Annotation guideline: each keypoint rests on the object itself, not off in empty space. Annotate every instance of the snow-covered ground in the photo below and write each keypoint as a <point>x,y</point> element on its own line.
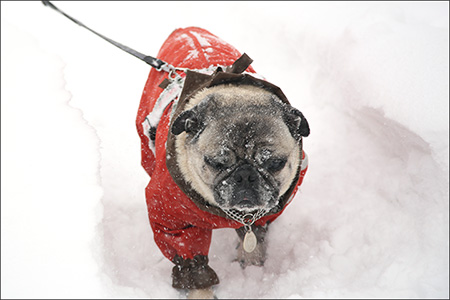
<point>371,218</point>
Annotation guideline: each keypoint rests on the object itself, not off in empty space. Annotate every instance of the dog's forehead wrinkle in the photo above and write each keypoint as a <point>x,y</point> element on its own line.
<point>241,138</point>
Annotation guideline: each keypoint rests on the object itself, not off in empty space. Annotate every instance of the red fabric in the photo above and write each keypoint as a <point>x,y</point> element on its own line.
<point>179,226</point>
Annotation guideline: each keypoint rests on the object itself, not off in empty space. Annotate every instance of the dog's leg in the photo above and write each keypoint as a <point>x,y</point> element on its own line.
<point>195,275</point>
<point>258,256</point>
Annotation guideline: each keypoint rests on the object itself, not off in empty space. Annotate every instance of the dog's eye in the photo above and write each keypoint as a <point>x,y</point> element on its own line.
<point>276,164</point>
<point>214,164</point>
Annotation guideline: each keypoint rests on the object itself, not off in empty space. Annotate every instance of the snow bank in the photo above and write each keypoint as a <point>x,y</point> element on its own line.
<point>371,218</point>
<point>50,184</point>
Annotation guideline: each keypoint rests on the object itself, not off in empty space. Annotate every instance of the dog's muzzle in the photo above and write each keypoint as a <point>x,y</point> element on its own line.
<point>246,180</point>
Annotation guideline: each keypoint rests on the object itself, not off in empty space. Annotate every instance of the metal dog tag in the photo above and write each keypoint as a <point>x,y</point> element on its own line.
<point>250,241</point>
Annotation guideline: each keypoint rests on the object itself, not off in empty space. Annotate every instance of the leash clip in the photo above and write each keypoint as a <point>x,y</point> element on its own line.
<point>166,67</point>
<point>173,74</point>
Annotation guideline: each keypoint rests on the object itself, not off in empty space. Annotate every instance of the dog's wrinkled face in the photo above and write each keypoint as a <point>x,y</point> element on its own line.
<point>239,147</point>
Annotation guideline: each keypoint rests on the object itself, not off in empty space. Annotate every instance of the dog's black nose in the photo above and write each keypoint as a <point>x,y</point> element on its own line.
<point>245,175</point>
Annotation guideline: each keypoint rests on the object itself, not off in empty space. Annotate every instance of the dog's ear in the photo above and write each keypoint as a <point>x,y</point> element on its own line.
<point>296,122</point>
<point>186,121</point>
<point>191,120</point>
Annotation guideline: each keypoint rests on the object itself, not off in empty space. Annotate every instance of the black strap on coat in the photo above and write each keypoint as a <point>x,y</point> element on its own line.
<point>154,62</point>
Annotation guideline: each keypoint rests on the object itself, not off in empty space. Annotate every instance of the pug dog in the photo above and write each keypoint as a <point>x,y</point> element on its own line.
<point>223,147</point>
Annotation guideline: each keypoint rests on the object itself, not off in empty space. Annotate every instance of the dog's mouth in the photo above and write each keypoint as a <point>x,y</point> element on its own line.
<point>245,198</point>
<point>245,189</point>
<point>245,203</point>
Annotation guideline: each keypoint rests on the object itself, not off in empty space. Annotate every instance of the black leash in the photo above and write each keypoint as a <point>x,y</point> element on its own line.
<point>154,62</point>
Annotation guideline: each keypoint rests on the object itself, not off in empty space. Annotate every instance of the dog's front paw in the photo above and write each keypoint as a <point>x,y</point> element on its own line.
<point>201,294</point>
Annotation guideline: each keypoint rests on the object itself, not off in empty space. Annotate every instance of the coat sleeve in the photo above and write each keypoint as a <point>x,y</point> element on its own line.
<point>183,241</point>
<point>188,249</point>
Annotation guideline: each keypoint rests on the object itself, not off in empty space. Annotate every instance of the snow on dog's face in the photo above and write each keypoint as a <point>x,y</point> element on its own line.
<point>239,146</point>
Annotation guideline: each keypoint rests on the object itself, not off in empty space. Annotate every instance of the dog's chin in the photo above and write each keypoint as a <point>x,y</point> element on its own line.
<point>246,206</point>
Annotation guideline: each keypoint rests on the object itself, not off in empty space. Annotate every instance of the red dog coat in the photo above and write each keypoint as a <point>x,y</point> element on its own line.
<point>180,227</point>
